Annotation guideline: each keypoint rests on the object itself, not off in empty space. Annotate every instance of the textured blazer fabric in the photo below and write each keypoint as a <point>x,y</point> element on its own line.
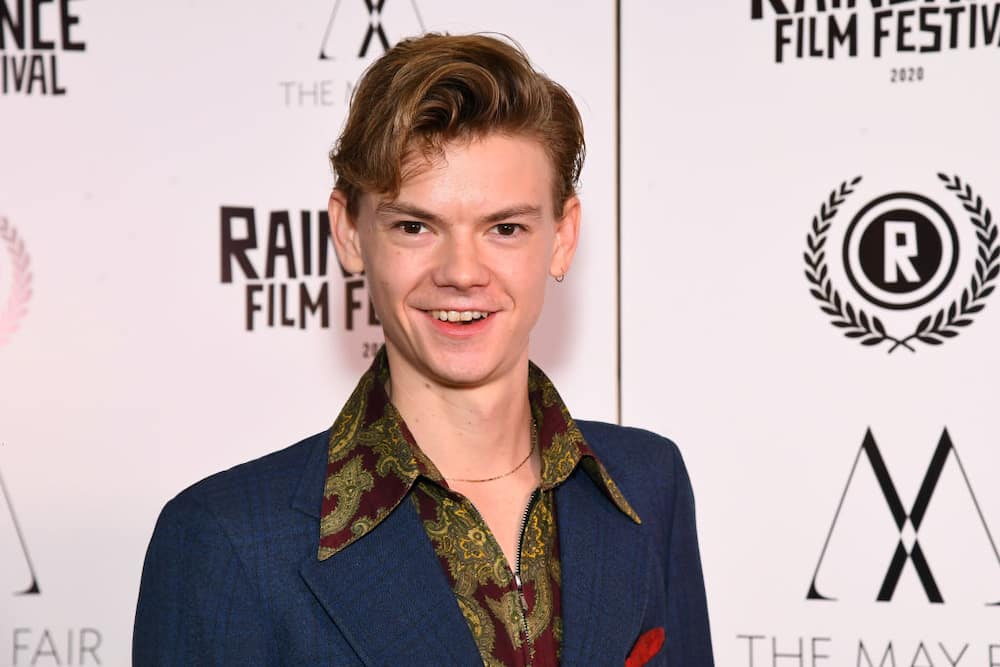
<point>232,576</point>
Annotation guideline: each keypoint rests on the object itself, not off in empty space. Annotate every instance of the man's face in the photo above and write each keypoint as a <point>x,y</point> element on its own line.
<point>457,263</point>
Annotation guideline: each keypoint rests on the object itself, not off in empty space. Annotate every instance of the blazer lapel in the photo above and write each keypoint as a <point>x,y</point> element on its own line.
<point>386,592</point>
<point>388,595</point>
<point>604,558</point>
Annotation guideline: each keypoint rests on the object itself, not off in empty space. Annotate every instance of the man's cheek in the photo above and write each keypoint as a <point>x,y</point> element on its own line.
<point>378,292</point>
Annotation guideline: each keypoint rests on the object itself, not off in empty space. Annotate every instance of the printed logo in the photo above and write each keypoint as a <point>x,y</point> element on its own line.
<point>900,252</point>
<point>15,281</point>
<point>287,272</point>
<point>25,643</point>
<point>33,37</point>
<point>881,250</point>
<point>32,588</point>
<point>357,32</point>
<point>908,522</point>
<point>366,28</point>
<point>839,28</point>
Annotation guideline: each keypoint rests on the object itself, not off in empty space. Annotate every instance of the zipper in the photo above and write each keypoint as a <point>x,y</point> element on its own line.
<point>517,571</point>
<point>517,574</point>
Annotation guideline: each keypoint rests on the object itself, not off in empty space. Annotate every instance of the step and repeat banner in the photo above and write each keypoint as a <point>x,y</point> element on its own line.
<point>808,259</point>
<point>170,303</point>
<point>809,221</point>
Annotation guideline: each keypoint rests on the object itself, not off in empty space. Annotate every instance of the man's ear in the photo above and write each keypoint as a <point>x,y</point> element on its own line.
<point>345,234</point>
<point>567,236</point>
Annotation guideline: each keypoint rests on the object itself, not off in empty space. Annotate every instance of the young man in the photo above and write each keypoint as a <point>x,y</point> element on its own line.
<point>455,513</point>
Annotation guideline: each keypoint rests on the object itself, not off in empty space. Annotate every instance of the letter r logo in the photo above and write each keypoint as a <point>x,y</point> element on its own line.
<point>900,248</point>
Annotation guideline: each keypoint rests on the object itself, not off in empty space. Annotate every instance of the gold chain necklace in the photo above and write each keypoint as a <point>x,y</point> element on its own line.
<point>534,446</point>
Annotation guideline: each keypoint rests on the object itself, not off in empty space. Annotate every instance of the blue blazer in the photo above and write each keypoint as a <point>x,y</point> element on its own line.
<point>232,576</point>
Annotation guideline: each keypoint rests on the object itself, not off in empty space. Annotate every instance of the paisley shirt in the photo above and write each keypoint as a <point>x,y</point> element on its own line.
<point>374,465</point>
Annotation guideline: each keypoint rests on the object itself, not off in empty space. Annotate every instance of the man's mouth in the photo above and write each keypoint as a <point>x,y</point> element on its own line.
<point>461,316</point>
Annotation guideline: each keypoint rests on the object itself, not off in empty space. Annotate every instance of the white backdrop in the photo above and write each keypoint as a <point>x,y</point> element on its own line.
<point>128,371</point>
<point>133,373</point>
<point>727,155</point>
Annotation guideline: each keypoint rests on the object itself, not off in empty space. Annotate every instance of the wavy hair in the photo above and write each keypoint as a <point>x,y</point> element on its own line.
<point>431,90</point>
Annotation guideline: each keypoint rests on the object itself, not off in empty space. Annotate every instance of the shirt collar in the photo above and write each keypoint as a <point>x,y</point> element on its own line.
<point>373,459</point>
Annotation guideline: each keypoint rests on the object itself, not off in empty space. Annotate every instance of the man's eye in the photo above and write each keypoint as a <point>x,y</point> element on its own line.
<point>507,229</point>
<point>411,227</point>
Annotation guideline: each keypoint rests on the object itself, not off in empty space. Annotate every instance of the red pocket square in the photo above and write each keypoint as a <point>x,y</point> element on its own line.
<point>649,644</point>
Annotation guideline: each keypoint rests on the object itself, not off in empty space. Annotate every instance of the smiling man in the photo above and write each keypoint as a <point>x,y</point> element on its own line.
<point>454,514</point>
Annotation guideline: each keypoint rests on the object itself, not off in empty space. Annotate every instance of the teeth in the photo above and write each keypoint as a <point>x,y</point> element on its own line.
<point>458,315</point>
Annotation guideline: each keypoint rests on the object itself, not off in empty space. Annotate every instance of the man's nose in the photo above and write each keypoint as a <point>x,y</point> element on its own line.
<point>460,264</point>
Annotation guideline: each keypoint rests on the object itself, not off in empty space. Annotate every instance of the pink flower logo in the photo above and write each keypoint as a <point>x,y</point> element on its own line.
<point>20,283</point>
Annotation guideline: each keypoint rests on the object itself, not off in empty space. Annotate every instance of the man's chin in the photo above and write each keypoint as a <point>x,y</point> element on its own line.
<point>463,375</point>
<point>468,371</point>
<point>463,367</point>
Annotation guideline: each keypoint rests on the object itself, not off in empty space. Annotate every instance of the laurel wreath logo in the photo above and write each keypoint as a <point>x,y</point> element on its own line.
<point>933,329</point>
<point>20,289</point>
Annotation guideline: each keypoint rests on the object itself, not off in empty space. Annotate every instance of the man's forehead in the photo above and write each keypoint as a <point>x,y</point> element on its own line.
<point>490,176</point>
<point>423,157</point>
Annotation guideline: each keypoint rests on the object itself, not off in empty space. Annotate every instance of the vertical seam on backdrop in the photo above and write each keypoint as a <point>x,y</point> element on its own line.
<point>618,211</point>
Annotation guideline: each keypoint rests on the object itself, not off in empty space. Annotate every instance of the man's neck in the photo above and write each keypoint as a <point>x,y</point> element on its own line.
<point>468,432</point>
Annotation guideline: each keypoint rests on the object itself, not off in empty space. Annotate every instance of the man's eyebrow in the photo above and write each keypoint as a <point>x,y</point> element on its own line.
<point>408,210</point>
<point>520,211</point>
<point>413,211</point>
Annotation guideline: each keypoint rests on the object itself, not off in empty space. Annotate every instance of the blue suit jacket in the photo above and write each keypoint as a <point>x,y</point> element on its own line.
<point>232,576</point>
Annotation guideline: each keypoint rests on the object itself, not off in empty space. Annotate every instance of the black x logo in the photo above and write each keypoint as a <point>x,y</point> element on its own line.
<point>374,27</point>
<point>915,517</point>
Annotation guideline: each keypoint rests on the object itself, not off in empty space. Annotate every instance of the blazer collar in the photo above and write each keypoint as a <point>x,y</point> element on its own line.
<point>389,596</point>
<point>409,609</point>
<point>308,496</point>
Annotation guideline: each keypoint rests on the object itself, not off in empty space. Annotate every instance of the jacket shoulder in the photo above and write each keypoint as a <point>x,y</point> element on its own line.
<point>647,467</point>
<point>628,447</point>
<point>222,557</point>
<point>259,487</point>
